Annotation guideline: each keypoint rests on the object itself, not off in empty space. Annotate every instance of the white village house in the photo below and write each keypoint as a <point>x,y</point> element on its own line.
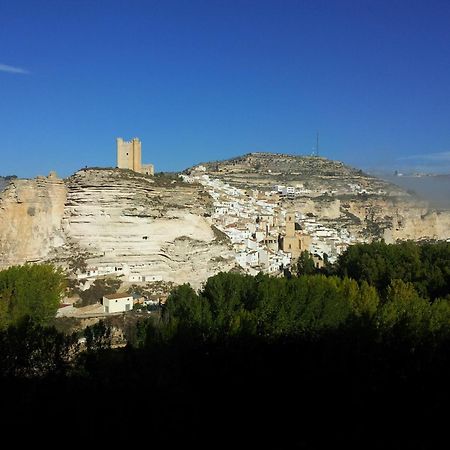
<point>143,278</point>
<point>114,303</point>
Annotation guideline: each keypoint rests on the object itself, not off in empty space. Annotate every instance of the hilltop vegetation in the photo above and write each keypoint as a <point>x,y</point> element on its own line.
<point>280,163</point>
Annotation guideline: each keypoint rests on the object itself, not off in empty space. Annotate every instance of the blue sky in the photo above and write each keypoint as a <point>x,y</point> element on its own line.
<point>206,80</point>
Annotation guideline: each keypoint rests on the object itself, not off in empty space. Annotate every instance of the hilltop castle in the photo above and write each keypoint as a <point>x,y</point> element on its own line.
<point>129,155</point>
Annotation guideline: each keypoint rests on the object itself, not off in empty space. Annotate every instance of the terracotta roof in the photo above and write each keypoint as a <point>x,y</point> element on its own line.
<point>117,295</point>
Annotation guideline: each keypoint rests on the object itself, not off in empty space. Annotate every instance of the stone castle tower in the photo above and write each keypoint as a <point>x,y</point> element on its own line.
<point>129,156</point>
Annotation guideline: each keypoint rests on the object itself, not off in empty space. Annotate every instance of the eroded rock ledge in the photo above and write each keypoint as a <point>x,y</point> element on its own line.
<point>154,225</point>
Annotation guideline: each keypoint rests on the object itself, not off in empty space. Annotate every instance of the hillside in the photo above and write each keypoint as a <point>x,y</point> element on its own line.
<point>336,195</point>
<point>318,174</point>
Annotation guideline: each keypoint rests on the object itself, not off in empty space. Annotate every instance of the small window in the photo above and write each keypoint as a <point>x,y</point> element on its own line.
<point>127,154</point>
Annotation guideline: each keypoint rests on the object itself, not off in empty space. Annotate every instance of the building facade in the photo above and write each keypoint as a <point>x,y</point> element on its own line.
<point>115,303</point>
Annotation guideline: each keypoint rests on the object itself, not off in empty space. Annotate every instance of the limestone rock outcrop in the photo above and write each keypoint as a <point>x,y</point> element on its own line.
<point>378,217</point>
<point>30,219</point>
<point>4,181</point>
<point>155,225</point>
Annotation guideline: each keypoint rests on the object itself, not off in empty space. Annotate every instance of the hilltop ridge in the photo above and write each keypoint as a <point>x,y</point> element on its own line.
<point>316,173</point>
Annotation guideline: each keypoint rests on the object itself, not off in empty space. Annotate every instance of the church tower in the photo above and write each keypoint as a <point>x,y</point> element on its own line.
<point>294,241</point>
<point>290,224</point>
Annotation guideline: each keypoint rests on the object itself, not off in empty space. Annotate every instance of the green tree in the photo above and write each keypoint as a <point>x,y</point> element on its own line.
<point>185,311</point>
<point>99,288</point>
<point>226,295</point>
<point>98,336</point>
<point>427,266</point>
<point>367,302</point>
<point>5,307</point>
<point>439,325</point>
<point>28,349</point>
<point>30,290</point>
<point>404,312</point>
<point>305,264</point>
<point>269,294</point>
<point>326,306</point>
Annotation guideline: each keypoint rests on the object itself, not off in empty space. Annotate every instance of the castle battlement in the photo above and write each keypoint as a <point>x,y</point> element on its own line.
<point>119,139</point>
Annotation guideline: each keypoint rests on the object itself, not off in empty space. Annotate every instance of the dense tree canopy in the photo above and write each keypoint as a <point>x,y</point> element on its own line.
<point>30,290</point>
<point>393,289</point>
<point>426,266</point>
<point>231,304</point>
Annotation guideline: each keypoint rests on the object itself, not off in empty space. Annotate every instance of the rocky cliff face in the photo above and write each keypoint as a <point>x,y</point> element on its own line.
<point>372,217</point>
<point>156,225</point>
<point>152,225</point>
<point>4,181</point>
<point>30,219</point>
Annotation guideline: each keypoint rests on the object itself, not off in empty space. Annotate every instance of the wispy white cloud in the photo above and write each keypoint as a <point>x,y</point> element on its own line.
<point>435,157</point>
<point>12,69</point>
